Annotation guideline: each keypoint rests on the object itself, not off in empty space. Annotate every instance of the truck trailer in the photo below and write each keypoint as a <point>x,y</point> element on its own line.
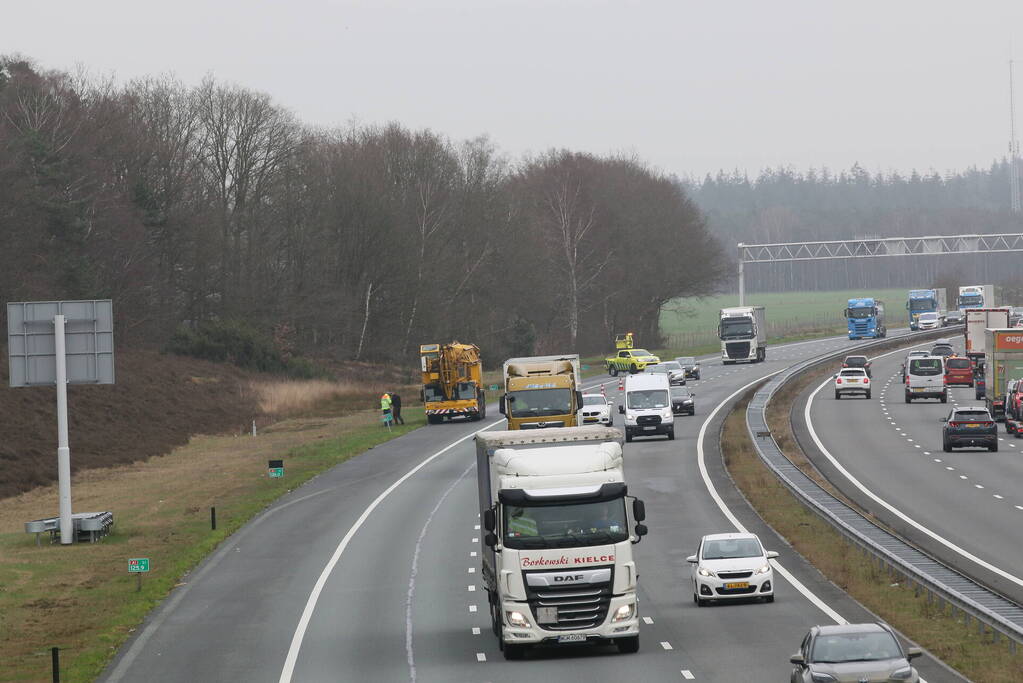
<point>1003,361</point>
<point>977,321</point>
<point>743,334</point>
<point>866,318</point>
<point>541,392</point>
<point>558,530</point>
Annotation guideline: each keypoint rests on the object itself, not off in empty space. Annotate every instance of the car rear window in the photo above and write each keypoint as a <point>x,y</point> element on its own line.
<point>853,372</point>
<point>958,363</point>
<point>971,415</point>
<point>925,366</point>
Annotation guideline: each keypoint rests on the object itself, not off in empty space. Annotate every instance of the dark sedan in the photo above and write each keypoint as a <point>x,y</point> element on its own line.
<point>969,427</point>
<point>690,365</point>
<point>682,401</point>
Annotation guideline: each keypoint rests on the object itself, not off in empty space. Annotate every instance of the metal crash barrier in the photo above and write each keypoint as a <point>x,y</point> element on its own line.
<point>88,526</point>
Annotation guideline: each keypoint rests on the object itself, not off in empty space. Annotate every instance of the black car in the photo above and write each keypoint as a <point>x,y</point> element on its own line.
<point>682,401</point>
<point>969,427</point>
<point>691,366</point>
<point>979,382</point>
<point>952,318</point>
<point>857,362</point>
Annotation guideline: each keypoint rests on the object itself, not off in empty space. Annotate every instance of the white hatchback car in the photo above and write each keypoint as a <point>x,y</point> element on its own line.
<point>732,566</point>
<point>596,410</point>
<point>852,381</point>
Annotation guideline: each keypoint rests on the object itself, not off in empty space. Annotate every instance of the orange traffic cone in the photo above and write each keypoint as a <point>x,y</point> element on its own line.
<point>621,384</point>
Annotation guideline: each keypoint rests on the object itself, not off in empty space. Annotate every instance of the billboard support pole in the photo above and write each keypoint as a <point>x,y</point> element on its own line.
<point>63,449</point>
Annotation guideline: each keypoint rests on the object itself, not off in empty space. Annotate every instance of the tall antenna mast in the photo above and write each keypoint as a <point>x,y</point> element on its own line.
<point>1013,147</point>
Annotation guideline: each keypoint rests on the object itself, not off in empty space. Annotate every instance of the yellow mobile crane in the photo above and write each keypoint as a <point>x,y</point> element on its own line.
<point>452,382</point>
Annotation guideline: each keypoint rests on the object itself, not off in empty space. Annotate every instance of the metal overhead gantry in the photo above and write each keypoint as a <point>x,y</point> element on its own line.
<point>872,247</point>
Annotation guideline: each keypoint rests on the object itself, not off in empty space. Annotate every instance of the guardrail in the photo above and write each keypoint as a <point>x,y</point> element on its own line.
<point>923,572</point>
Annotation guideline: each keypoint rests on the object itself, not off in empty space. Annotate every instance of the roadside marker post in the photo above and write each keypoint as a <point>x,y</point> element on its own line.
<point>276,469</point>
<point>138,566</point>
<point>55,663</point>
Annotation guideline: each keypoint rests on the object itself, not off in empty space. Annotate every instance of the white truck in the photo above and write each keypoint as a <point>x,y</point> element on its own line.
<point>976,296</point>
<point>743,334</point>
<point>558,530</point>
<point>977,321</point>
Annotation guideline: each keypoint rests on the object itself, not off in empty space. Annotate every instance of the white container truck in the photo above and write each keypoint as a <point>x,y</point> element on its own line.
<point>743,334</point>
<point>558,533</point>
<point>977,321</point>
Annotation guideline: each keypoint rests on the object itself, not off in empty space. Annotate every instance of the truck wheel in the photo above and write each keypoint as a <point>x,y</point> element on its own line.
<point>434,419</point>
<point>512,652</point>
<point>628,646</point>
<point>944,397</point>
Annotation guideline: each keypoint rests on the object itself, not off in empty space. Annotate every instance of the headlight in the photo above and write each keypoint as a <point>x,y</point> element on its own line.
<point>703,571</point>
<point>666,412</point>
<point>516,619</point>
<point>688,401</point>
<point>624,612</point>
<point>823,678</point>
<point>763,570</point>
<point>903,674</point>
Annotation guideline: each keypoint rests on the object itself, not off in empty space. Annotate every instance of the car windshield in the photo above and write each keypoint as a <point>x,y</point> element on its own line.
<point>861,312</point>
<point>981,415</point>
<point>670,365</point>
<point>856,361</point>
<point>729,548</point>
<point>738,328</point>
<point>539,402</point>
<point>641,352</point>
<point>834,648</point>
<point>647,399</point>
<point>565,526</point>
<point>686,360</point>
<point>958,363</point>
<point>921,304</point>
<point>679,392</point>
<point>925,366</point>
<point>941,350</point>
<point>928,316</point>
<point>594,401</point>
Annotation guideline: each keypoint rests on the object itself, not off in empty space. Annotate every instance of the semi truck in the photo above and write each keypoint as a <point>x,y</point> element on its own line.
<point>976,296</point>
<point>743,334</point>
<point>558,530</point>
<point>865,316</point>
<point>1003,361</point>
<point>925,301</point>
<point>978,320</point>
<point>452,382</point>
<point>541,392</point>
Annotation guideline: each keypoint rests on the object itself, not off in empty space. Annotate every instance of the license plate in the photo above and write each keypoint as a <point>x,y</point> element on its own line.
<point>853,381</point>
<point>572,638</point>
<point>650,429</point>
<point>972,424</point>
<point>589,419</point>
<point>737,584</point>
<point>919,388</point>
<point>546,615</point>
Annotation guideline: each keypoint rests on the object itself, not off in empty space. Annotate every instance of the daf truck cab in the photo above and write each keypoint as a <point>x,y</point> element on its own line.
<point>647,406</point>
<point>559,527</point>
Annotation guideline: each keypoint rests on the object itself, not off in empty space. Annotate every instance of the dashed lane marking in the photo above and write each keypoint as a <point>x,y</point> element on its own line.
<point>647,620</point>
<point>666,645</point>
<point>688,675</point>
<point>475,630</point>
<point>472,570</point>
<point>472,608</point>
<point>472,589</point>
<point>481,656</point>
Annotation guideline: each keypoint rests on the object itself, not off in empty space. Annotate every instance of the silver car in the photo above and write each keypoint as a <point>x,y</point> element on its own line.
<point>853,652</point>
<point>676,374</point>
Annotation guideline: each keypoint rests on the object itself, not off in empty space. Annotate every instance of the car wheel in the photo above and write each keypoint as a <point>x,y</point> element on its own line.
<point>628,646</point>
<point>944,397</point>
<point>628,436</point>
<point>908,399</point>
<point>700,602</point>
<point>993,448</point>
<point>613,370</point>
<point>946,446</point>
<point>692,412</point>
<point>838,395</point>
<point>671,434</point>
<point>634,369</point>
<point>769,598</point>
<point>868,394</point>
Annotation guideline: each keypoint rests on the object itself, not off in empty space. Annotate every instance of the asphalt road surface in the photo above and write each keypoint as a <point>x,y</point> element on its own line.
<point>369,573</point>
<point>964,507</point>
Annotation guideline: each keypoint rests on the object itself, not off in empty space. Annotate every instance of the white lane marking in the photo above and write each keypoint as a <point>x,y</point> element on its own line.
<point>472,554</point>
<point>481,656</point>
<point>997,496</point>
<point>936,459</point>
<point>477,527</point>
<point>472,570</point>
<point>472,608</point>
<point>666,645</point>
<point>303,623</point>
<point>647,620</point>
<point>963,476</point>
<point>688,675</point>
<point>700,457</point>
<point>472,589</point>
<point>475,630</point>
<point>928,453</point>
<point>891,508</point>
<point>916,445</point>
<point>475,539</point>
<point>414,571</point>
<point>979,486</point>
<point>950,469</point>
<point>1019,507</point>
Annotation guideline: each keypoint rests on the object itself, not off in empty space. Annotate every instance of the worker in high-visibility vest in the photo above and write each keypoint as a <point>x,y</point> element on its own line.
<point>385,407</point>
<point>521,524</point>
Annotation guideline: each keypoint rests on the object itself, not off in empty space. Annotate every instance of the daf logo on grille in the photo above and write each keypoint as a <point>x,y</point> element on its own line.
<point>568,578</point>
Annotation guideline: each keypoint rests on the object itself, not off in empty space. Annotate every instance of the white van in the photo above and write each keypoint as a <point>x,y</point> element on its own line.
<point>925,378</point>
<point>647,406</point>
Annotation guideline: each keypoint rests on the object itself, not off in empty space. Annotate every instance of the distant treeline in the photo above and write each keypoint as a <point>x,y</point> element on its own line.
<point>213,205</point>
<point>782,205</point>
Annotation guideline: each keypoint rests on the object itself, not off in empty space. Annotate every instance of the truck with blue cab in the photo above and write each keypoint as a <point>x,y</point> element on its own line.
<point>866,318</point>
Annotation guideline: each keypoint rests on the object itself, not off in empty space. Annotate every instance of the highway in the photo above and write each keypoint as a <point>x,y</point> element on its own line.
<point>369,573</point>
<point>964,507</point>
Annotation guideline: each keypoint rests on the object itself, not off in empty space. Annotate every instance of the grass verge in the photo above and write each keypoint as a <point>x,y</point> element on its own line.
<point>929,624</point>
<point>80,598</point>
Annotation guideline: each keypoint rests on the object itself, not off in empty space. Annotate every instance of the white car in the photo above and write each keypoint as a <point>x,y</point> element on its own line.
<point>928,321</point>
<point>852,381</point>
<point>730,567</point>
<point>596,410</point>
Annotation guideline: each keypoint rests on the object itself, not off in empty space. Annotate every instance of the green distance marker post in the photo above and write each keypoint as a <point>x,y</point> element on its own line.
<point>276,469</point>
<point>138,566</point>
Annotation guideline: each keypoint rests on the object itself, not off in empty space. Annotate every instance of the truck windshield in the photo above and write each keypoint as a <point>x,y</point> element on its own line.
<point>648,399</point>
<point>921,305</point>
<point>565,526</point>
<point>433,392</point>
<point>736,328</point>
<point>539,402</point>
<point>971,300</point>
<point>861,312</point>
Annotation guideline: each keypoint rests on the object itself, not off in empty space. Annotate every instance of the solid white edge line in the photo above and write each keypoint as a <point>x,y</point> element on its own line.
<point>891,508</point>
<point>796,583</point>
<point>303,623</point>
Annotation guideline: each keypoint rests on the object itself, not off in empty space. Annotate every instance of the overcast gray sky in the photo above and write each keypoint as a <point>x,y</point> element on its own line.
<point>690,87</point>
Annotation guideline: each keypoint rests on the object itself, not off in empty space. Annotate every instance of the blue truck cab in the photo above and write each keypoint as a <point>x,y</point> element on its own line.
<point>866,318</point>
<point>921,301</point>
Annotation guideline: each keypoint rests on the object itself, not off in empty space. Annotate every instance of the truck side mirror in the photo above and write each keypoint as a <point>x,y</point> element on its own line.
<point>500,405</point>
<point>638,510</point>
<point>489,520</point>
<point>621,409</point>
<point>641,530</point>
<point>490,540</point>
